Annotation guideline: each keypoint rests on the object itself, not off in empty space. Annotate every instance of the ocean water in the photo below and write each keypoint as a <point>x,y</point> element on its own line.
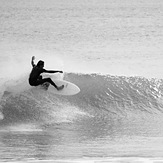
<point>111,49</point>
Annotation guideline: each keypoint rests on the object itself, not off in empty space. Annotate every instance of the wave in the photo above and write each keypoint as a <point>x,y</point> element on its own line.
<point>101,95</point>
<point>119,94</point>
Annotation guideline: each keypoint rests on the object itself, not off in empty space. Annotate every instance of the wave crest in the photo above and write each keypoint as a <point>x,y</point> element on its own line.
<point>101,95</point>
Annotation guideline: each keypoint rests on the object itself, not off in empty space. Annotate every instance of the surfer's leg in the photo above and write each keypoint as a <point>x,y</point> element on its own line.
<point>42,81</point>
<point>52,83</point>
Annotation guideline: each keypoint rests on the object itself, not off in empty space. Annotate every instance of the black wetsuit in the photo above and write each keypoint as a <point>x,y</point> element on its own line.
<point>35,78</point>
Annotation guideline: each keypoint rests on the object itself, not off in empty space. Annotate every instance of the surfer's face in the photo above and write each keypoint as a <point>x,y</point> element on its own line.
<point>42,65</point>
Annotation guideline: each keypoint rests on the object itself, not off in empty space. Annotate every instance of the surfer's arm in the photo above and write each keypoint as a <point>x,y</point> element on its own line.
<point>32,61</point>
<point>51,71</point>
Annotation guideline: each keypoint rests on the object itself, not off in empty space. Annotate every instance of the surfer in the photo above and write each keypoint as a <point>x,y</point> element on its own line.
<point>36,79</point>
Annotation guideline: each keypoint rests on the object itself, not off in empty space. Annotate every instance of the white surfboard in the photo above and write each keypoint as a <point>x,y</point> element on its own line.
<point>69,88</point>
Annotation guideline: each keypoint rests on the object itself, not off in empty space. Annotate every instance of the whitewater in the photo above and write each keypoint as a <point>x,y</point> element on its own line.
<point>112,50</point>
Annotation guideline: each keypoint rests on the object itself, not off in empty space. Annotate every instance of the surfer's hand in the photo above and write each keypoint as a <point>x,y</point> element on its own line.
<point>60,71</point>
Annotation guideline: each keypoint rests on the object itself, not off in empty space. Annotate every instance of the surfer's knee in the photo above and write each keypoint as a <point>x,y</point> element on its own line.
<point>49,79</point>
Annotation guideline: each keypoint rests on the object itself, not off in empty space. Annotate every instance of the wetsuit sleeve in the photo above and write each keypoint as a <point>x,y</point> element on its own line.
<point>43,70</point>
<point>50,71</point>
<point>32,63</point>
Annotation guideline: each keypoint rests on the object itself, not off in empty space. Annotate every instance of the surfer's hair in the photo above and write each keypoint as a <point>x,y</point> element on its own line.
<point>40,63</point>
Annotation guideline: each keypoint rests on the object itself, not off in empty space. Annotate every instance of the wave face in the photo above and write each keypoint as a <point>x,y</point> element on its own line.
<point>101,96</point>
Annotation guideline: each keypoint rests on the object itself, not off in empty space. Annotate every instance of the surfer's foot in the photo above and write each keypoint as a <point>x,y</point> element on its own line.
<point>60,88</point>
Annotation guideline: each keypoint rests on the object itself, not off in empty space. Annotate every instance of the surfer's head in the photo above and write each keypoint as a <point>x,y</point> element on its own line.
<point>40,63</point>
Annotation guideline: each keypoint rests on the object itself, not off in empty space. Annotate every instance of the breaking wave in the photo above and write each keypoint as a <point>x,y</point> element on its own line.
<point>101,95</point>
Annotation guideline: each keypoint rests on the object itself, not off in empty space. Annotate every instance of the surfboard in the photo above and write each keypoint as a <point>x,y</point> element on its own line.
<point>69,88</point>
